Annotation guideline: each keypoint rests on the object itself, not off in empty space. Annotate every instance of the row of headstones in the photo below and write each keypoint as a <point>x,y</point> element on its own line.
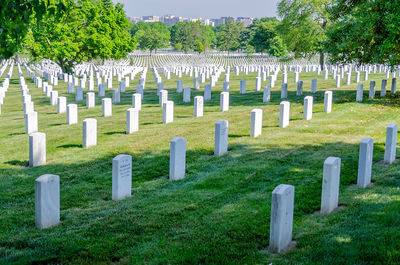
<point>47,187</point>
<point>5,84</point>
<point>282,204</point>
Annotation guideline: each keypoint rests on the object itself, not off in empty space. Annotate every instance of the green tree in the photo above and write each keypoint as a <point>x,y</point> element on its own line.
<point>83,30</point>
<point>15,18</point>
<point>188,35</point>
<point>304,24</point>
<point>365,32</point>
<point>152,36</point>
<point>266,39</point>
<point>228,36</point>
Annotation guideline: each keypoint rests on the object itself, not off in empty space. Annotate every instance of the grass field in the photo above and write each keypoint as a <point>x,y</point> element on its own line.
<point>219,214</point>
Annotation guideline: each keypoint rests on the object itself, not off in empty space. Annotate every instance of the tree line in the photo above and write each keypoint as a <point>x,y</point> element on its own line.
<point>73,31</point>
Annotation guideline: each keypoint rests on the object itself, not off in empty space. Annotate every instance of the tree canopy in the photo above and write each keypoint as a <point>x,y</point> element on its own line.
<point>228,36</point>
<point>192,36</point>
<point>151,36</point>
<point>365,32</point>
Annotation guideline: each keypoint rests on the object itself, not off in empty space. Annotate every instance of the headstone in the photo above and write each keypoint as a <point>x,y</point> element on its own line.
<point>365,162</point>
<point>358,77</point>
<point>256,123</point>
<point>71,88</point>
<point>328,101</point>
<point>116,96</point>
<point>267,94</point>
<point>61,104</point>
<point>121,177</point>
<point>243,86</point>
<point>284,91</point>
<point>177,159</point>
<point>186,94</point>
<point>132,120</point>
<point>258,83</point>
<point>299,91</point>
<point>330,185</point>
<point>308,108</point>
<point>47,201</point>
<point>281,224</point>
<point>37,149</point>
<point>53,98</point>
<point>225,87</point>
<point>179,86</point>
<point>72,114</point>
<point>78,94</point>
<point>102,90</point>
<point>284,113</point>
<point>383,87</point>
<point>198,106</point>
<point>221,138</point>
<point>393,89</point>
<point>90,100</point>
<point>337,81</point>
<point>314,85</point>
<point>224,101</point>
<point>31,122</point>
<point>106,107</point>
<point>168,112</point>
<point>137,101</point>
<point>390,145</point>
<point>196,83</point>
<point>89,133</point>
<point>360,92</point>
<point>207,92</point>
<point>163,97</point>
<point>371,90</point>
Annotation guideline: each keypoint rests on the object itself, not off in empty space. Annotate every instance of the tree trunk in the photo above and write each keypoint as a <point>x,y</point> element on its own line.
<point>322,60</point>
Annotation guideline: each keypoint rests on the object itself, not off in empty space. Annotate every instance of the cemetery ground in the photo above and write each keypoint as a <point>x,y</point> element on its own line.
<point>220,212</point>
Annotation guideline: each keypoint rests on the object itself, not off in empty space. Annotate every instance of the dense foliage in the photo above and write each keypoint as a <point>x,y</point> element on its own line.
<point>151,36</point>
<point>365,32</point>
<point>192,36</point>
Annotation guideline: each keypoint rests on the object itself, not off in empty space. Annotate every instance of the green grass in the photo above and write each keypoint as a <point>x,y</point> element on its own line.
<point>219,214</point>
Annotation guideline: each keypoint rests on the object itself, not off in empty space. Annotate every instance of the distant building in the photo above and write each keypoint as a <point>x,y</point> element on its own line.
<point>170,19</point>
<point>150,19</point>
<point>246,21</point>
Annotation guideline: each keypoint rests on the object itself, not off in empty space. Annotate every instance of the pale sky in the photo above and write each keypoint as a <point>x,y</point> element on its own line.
<point>200,8</point>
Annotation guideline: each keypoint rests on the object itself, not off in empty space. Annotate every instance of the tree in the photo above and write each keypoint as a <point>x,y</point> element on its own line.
<point>15,18</point>
<point>81,31</point>
<point>187,36</point>
<point>365,32</point>
<point>266,38</point>
<point>152,36</point>
<point>304,25</point>
<point>228,36</point>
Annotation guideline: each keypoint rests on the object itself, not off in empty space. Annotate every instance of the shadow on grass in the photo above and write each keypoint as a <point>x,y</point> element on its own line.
<point>218,213</point>
<point>65,146</point>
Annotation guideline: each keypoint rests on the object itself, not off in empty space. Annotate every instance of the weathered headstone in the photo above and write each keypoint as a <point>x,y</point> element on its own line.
<point>116,96</point>
<point>383,87</point>
<point>330,185</point>
<point>299,91</point>
<point>78,94</point>
<point>281,224</point>
<point>207,92</point>
<point>284,91</point>
<point>393,89</point>
<point>371,90</point>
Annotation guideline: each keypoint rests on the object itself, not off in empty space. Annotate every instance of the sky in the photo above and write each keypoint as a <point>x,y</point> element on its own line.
<point>200,8</point>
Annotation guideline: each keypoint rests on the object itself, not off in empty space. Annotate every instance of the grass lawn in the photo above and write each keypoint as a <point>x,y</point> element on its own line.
<point>220,213</point>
